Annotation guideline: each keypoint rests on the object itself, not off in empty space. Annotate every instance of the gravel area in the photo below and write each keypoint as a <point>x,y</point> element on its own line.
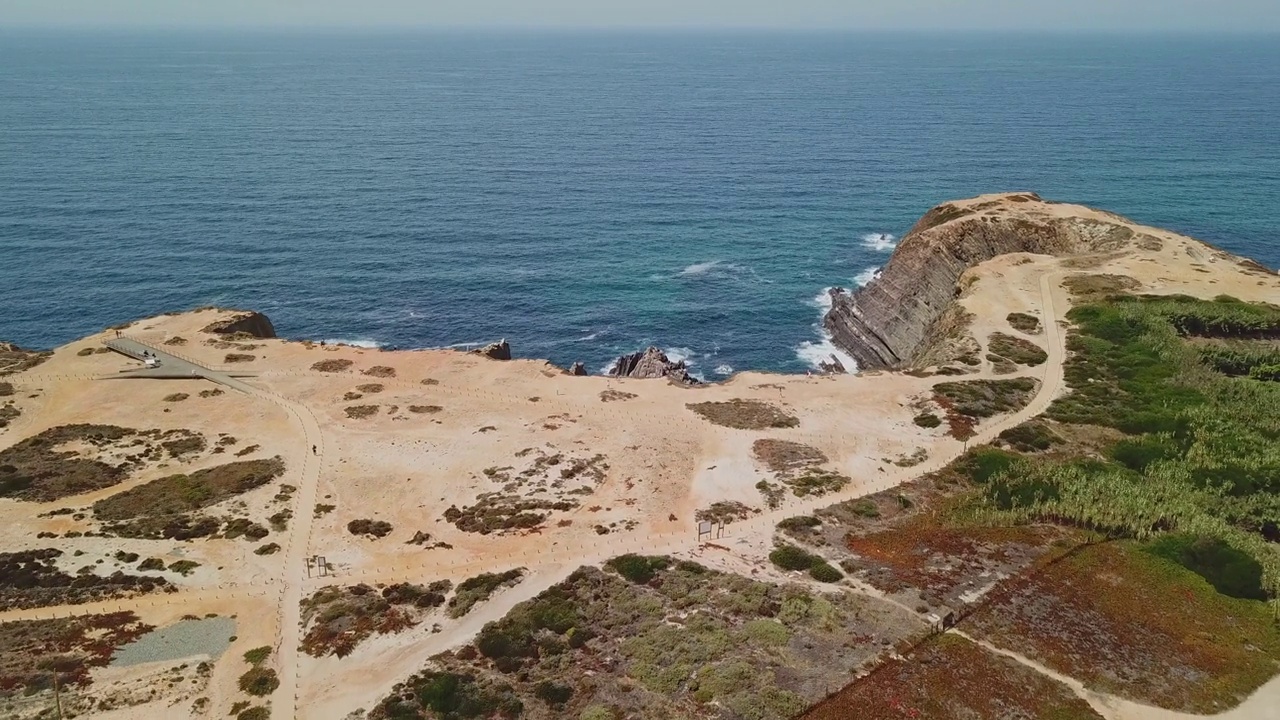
<point>187,638</point>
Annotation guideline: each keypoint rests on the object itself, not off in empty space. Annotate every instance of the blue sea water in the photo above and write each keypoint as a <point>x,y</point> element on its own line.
<point>581,195</point>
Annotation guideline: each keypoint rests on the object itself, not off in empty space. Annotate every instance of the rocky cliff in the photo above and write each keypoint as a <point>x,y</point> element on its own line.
<point>245,324</point>
<point>885,323</point>
<point>652,363</point>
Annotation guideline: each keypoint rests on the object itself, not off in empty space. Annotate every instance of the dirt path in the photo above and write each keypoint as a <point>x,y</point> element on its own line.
<point>284,700</point>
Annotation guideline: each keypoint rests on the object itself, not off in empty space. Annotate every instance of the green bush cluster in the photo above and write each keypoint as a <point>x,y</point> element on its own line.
<point>639,569</point>
<point>791,557</point>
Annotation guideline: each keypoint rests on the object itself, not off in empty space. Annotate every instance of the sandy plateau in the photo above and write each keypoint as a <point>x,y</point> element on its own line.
<point>461,465</point>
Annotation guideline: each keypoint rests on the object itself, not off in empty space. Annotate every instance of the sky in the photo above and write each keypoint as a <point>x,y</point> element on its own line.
<point>927,15</point>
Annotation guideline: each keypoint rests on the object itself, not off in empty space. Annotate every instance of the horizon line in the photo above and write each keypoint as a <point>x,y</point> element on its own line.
<point>645,29</point>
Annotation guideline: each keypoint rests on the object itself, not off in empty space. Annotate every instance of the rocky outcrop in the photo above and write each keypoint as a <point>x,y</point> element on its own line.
<point>578,370</point>
<point>245,324</point>
<point>14,359</point>
<point>886,322</point>
<point>652,363</point>
<point>500,350</point>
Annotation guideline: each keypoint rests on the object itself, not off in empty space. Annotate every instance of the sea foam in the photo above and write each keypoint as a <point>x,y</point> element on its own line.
<point>360,343</point>
<point>701,268</point>
<point>880,242</point>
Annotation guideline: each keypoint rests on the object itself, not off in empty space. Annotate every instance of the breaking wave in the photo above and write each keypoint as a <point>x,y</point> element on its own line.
<point>863,278</point>
<point>879,242</point>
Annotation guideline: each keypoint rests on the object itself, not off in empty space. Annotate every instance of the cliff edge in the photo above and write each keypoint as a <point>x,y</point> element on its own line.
<point>885,324</point>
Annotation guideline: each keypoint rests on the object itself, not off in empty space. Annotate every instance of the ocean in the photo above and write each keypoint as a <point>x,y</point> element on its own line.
<point>582,194</point>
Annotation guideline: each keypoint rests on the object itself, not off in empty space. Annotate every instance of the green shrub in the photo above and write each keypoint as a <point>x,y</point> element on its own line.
<point>257,655</point>
<point>259,681</point>
<point>823,572</point>
<point>927,420</point>
<point>254,713</point>
<point>790,557</point>
<point>866,508</point>
<point>639,569</point>
<point>799,522</point>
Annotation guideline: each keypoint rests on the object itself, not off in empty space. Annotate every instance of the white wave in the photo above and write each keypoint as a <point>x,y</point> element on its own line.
<point>367,344</point>
<point>675,355</point>
<point>864,277</point>
<point>725,369</point>
<point>880,242</point>
<point>822,301</point>
<point>815,353</point>
<point>701,268</point>
<point>587,338</point>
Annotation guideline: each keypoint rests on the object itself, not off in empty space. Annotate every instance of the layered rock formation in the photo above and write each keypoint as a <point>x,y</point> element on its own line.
<point>246,324</point>
<point>886,323</point>
<point>652,363</point>
<point>495,351</point>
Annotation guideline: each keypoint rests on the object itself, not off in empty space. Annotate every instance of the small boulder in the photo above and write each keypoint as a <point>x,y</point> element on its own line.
<point>578,370</point>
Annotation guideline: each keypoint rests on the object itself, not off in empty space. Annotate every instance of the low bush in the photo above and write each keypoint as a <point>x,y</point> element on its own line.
<point>639,569</point>
<point>1023,322</point>
<point>259,681</point>
<point>927,420</point>
<point>823,572</point>
<point>790,557</point>
<point>369,528</point>
<point>479,588</point>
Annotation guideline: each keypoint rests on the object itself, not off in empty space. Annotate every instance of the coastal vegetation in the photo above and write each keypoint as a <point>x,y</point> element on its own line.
<point>340,618</point>
<point>1136,521</point>
<point>744,414</point>
<point>1023,322</point>
<point>651,636</point>
<point>40,469</point>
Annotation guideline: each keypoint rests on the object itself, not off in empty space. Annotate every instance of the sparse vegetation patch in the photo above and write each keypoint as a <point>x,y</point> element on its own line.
<point>31,578</point>
<point>360,412</point>
<point>480,588</point>
<point>340,618</point>
<point>744,414</point>
<point>333,365</point>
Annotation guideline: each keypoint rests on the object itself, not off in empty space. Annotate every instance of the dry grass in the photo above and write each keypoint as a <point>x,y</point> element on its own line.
<point>332,366</point>
<point>371,388</point>
<point>425,409</point>
<point>381,371</point>
<point>744,414</point>
<point>232,358</point>
<point>1094,287</point>
<point>360,412</point>
<point>786,456</point>
<point>616,396</point>
<point>1016,349</point>
<point>1022,322</point>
